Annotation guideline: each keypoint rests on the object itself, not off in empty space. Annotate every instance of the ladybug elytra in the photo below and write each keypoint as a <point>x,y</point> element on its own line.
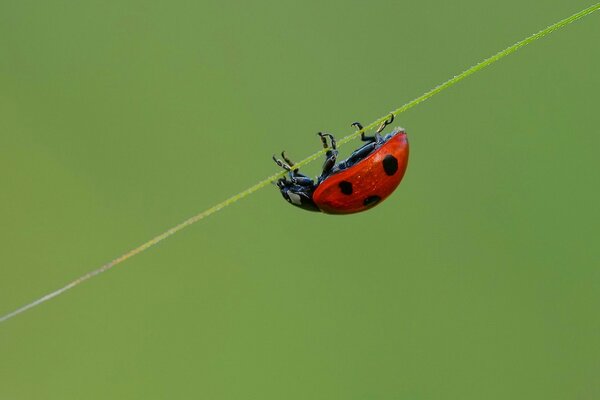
<point>360,182</point>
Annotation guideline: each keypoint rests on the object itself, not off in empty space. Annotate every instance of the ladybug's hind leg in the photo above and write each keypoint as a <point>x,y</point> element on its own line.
<point>385,123</point>
<point>364,137</point>
<point>331,155</point>
<point>361,153</point>
<point>377,137</point>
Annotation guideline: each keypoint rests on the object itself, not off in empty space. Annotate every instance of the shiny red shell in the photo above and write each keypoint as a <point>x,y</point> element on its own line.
<point>366,183</point>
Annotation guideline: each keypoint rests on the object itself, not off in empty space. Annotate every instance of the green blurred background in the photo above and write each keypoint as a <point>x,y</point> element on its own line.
<point>478,279</point>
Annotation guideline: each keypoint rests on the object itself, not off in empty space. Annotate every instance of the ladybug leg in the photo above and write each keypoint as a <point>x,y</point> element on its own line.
<point>282,183</point>
<point>296,177</point>
<point>361,153</point>
<point>378,137</point>
<point>324,137</point>
<point>386,123</point>
<point>363,137</point>
<point>302,180</point>
<point>331,155</point>
<point>295,174</point>
<point>290,164</point>
<point>287,164</point>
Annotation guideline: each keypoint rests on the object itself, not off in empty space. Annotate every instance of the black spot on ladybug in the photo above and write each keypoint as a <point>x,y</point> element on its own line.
<point>346,187</point>
<point>371,200</point>
<point>390,165</point>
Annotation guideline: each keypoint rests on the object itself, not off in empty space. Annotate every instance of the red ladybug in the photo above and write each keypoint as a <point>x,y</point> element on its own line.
<point>364,180</point>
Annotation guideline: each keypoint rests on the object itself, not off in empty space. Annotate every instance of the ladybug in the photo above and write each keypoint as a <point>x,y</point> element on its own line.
<point>365,179</point>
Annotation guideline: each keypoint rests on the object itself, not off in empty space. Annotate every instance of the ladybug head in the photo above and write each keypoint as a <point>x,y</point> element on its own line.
<point>298,193</point>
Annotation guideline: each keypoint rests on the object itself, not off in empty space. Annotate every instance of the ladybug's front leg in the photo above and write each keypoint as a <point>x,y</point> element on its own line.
<point>287,164</point>
<point>296,177</point>
<point>331,155</point>
<point>282,164</point>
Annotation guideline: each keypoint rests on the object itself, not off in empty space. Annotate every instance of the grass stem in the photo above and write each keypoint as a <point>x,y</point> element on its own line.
<point>450,82</point>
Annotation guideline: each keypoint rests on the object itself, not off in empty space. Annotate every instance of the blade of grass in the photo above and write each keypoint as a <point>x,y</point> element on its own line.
<point>450,82</point>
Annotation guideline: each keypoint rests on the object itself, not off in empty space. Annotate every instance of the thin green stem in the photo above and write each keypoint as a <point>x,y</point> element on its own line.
<point>470,71</point>
<point>273,178</point>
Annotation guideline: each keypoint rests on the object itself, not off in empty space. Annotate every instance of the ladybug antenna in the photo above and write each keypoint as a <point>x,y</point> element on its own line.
<point>386,123</point>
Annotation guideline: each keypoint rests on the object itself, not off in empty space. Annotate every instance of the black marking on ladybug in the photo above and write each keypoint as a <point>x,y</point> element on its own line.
<point>346,187</point>
<point>390,165</point>
<point>371,201</point>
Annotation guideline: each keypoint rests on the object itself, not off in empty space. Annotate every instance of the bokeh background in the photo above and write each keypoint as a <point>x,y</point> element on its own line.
<point>478,279</point>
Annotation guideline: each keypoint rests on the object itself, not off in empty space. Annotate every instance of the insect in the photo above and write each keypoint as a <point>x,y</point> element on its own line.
<point>360,182</point>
